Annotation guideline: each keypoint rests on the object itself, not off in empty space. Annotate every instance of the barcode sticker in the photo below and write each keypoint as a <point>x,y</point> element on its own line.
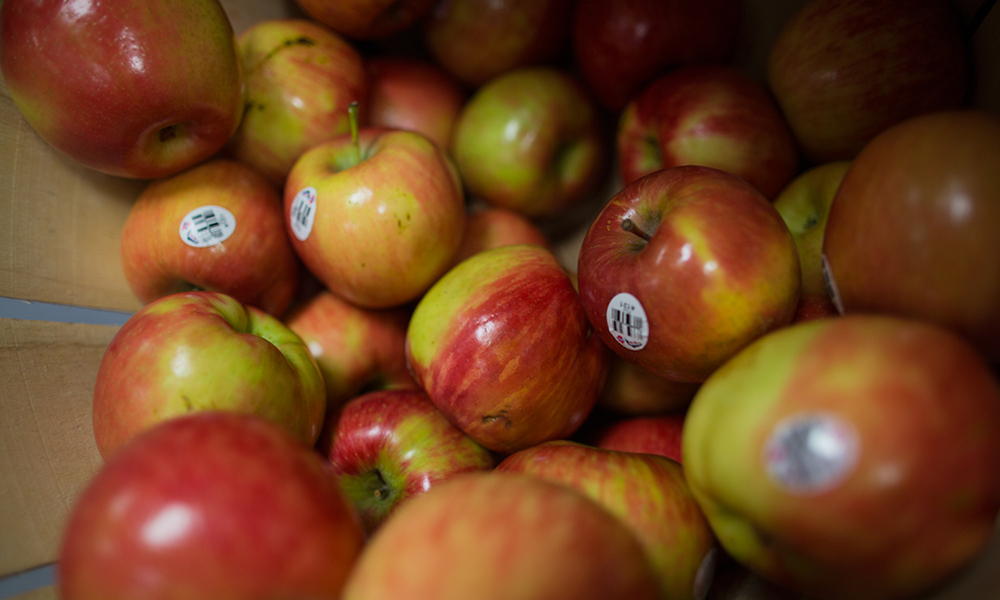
<point>303,212</point>
<point>831,285</point>
<point>207,226</point>
<point>811,453</point>
<point>627,321</point>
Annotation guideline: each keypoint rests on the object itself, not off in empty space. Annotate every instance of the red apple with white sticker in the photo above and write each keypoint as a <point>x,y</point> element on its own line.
<point>217,226</point>
<point>208,506</point>
<point>684,267</point>
<point>388,447</point>
<point>651,434</point>
<point>711,115</point>
<point>365,19</point>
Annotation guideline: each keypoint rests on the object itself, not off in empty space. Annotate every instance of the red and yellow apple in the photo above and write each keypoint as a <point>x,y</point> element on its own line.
<point>650,434</point>
<point>366,19</point>
<point>488,227</point>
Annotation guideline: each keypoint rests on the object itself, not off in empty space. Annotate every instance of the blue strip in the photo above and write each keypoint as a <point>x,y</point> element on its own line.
<point>12,308</point>
<point>22,583</point>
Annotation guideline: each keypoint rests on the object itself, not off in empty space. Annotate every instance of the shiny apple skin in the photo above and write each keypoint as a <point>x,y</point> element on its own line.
<point>913,228</point>
<point>650,434</point>
<point>366,19</point>
<point>212,506</point>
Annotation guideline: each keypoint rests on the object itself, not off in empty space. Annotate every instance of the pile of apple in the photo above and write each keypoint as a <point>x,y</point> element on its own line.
<point>362,372</point>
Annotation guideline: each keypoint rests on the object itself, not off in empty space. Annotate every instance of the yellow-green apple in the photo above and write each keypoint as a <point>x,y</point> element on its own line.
<point>138,88</point>
<point>490,227</point>
<point>856,457</point>
<point>843,71</point>
<point>301,78</point>
<point>376,216</point>
<point>648,493</point>
<point>413,94</point>
<point>621,46</point>
<point>366,19</point>
<point>913,227</point>
<point>389,447</point>
<point>650,434</point>
<point>217,226</point>
<point>477,40</point>
<point>197,351</point>
<point>711,115</point>
<point>210,506</point>
<point>357,349</point>
<point>494,536</point>
<point>530,141</point>
<point>502,347</point>
<point>684,267</point>
<point>632,390</point>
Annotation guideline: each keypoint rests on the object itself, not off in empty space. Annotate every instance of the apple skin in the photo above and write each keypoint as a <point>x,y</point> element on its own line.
<point>650,434</point>
<point>386,227</point>
<point>366,19</point>
<point>211,505</point>
<point>843,71</point>
<point>164,101</point>
<point>622,46</point>
<point>815,306</point>
<point>255,264</point>
<point>910,490</point>
<point>804,205</point>
<point>493,536</point>
<point>477,40</point>
<point>489,227</point>
<point>711,115</point>
<point>356,349</point>
<point>720,269</point>
<point>913,228</point>
<point>389,447</point>
<point>502,347</point>
<point>632,390</point>
<point>413,94</point>
<point>645,491</point>
<point>530,141</point>
<point>196,351</point>
<point>300,78</point>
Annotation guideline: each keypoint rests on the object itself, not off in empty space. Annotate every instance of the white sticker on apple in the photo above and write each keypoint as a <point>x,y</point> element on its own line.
<point>811,453</point>
<point>627,321</point>
<point>303,212</point>
<point>207,226</point>
<point>831,285</point>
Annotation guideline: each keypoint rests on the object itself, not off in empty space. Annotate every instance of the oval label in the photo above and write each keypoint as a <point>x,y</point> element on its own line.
<point>811,453</point>
<point>302,213</point>
<point>627,321</point>
<point>207,226</point>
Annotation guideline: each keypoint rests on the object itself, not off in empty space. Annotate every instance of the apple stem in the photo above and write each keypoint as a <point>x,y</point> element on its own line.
<point>629,225</point>
<point>352,113</point>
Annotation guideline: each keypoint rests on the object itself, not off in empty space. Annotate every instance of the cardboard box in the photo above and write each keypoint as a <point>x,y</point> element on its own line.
<point>59,240</point>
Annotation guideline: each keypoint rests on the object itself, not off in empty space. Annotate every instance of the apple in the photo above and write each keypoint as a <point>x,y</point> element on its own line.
<point>139,88</point>
<point>650,434</point>
<point>197,351</point>
<point>856,457</point>
<point>494,536</point>
<point>217,226</point>
<point>366,19</point>
<point>843,71</point>
<point>647,492</point>
<point>377,216</point>
<point>804,205</point>
<point>477,40</point>
<point>632,390</point>
<point>502,347</point>
<point>301,78</point>
<point>211,505</point>
<point>621,46</point>
<point>815,306</point>
<point>413,94</point>
<point>389,447</point>
<point>356,349</point>
<point>684,267</point>
<point>711,115</point>
<point>530,141</point>
<point>913,227</point>
<point>489,227</point>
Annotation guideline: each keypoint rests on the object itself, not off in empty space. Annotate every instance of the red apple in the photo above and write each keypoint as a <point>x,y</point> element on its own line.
<point>843,71</point>
<point>301,78</point>
<point>137,88</point>
<point>684,267</point>
<point>210,506</point>
<point>620,46</point>
<point>652,434</point>
<point>815,306</point>
<point>502,347</point>
<point>710,115</point>
<point>389,447</point>
<point>218,226</point>
<point>197,351</point>
<point>496,536</point>
<point>488,228</point>
<point>632,390</point>
<point>356,349</point>
<point>366,19</point>
<point>377,220</point>
<point>913,227</point>
<point>647,492</point>
<point>477,40</point>
<point>413,94</point>
<point>856,457</point>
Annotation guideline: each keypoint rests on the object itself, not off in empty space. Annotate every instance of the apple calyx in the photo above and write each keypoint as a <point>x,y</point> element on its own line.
<point>630,226</point>
<point>371,494</point>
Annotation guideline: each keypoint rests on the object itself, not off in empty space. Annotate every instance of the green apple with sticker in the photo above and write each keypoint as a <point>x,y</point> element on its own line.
<point>856,457</point>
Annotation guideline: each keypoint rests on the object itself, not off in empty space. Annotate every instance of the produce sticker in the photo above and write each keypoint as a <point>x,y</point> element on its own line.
<point>207,226</point>
<point>811,453</point>
<point>303,212</point>
<point>627,321</point>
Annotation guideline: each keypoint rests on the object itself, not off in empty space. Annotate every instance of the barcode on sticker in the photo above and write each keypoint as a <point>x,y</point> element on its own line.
<point>303,213</point>
<point>627,321</point>
<point>207,226</point>
<point>626,324</point>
